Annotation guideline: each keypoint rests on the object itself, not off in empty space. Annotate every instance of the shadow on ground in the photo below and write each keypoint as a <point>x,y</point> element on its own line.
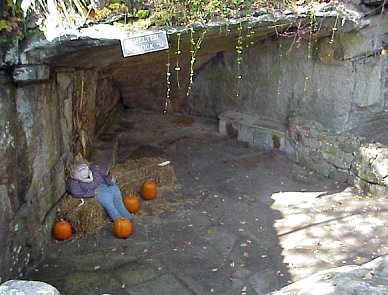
<point>240,220</point>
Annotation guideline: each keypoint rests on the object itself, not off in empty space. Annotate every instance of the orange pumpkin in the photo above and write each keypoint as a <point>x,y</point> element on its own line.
<point>62,230</point>
<point>122,228</point>
<point>148,190</point>
<point>131,202</point>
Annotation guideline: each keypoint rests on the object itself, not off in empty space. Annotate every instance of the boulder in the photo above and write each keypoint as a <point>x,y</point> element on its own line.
<point>21,287</point>
<point>370,278</point>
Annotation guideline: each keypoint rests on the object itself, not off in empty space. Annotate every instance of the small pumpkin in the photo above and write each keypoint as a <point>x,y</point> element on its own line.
<point>131,202</point>
<point>62,230</point>
<point>122,228</point>
<point>149,190</point>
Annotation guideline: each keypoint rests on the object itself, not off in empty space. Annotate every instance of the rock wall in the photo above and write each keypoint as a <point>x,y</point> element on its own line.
<point>333,99</point>
<point>33,155</point>
<point>341,86</point>
<point>38,139</point>
<point>8,181</point>
<point>342,156</point>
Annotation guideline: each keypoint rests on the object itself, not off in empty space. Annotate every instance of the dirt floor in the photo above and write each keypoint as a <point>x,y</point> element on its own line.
<point>238,219</point>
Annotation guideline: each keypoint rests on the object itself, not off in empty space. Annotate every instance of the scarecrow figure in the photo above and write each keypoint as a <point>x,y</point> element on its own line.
<point>88,181</point>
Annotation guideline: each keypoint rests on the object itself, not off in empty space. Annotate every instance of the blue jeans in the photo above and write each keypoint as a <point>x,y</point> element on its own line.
<point>110,198</point>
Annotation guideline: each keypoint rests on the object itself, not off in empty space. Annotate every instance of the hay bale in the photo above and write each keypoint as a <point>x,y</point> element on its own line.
<point>133,172</point>
<point>85,215</point>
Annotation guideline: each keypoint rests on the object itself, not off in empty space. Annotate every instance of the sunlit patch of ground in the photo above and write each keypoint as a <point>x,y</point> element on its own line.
<point>318,230</point>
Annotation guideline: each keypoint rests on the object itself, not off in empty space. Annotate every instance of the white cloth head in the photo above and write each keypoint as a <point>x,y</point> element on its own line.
<point>83,173</point>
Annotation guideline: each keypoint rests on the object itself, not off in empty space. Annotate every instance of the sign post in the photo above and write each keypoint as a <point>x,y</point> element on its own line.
<point>142,44</point>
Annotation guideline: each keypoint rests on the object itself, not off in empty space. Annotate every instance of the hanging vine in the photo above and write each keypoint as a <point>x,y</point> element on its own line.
<point>177,68</point>
<point>168,84</point>
<point>195,46</point>
<point>280,58</point>
<point>309,44</point>
<point>244,41</point>
<point>239,58</point>
<point>333,30</point>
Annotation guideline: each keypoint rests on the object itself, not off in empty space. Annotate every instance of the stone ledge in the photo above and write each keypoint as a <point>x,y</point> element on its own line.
<point>31,73</point>
<point>253,129</point>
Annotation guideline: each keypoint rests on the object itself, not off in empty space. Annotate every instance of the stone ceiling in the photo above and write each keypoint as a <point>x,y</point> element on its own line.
<point>144,76</point>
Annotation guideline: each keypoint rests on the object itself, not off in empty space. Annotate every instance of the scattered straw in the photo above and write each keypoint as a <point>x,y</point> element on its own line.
<point>85,215</point>
<point>132,173</point>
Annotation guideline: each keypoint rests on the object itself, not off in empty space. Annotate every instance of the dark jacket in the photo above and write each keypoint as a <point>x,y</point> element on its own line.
<point>81,189</point>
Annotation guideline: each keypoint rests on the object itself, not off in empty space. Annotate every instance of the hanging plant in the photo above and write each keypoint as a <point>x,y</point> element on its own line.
<point>178,52</point>
<point>168,83</point>
<point>239,58</point>
<point>195,46</point>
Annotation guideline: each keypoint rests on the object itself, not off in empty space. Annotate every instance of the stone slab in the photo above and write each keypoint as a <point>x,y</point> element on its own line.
<point>254,129</point>
<point>31,73</point>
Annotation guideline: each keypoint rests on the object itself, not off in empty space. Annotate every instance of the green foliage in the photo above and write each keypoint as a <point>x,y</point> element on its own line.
<point>13,7</point>
<point>184,12</point>
<point>3,25</point>
<point>142,13</point>
<point>111,9</point>
<point>11,22</point>
<point>168,13</point>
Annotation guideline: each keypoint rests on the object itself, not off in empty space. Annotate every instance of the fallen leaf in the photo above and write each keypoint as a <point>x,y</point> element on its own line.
<point>368,276</point>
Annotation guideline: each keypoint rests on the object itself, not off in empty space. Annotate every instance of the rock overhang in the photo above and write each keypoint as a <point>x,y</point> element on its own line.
<point>60,47</point>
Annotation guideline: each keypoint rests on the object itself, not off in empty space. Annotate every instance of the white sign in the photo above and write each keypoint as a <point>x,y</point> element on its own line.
<point>144,44</point>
